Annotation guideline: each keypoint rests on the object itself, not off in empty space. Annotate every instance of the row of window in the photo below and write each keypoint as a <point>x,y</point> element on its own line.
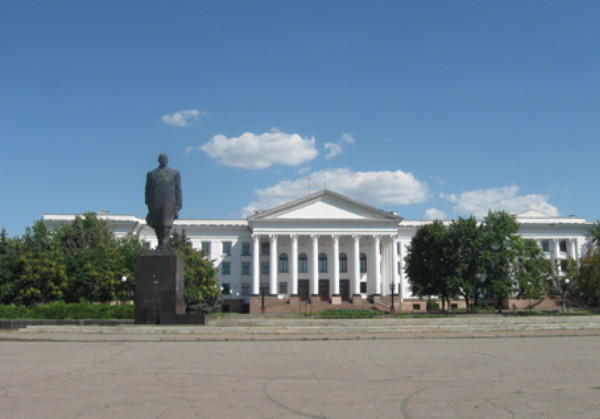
<point>265,250</point>
<point>302,264</point>
<point>283,288</point>
<point>562,246</point>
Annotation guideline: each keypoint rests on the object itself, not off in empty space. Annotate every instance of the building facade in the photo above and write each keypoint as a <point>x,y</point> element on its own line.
<point>324,250</point>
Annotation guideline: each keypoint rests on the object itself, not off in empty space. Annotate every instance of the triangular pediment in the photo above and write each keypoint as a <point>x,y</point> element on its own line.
<point>325,205</point>
<point>533,214</point>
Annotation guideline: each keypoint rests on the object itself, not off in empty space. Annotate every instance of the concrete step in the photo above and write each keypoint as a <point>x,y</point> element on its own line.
<point>331,327</point>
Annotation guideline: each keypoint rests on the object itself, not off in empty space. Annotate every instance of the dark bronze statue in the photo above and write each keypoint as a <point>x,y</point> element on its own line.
<point>163,198</point>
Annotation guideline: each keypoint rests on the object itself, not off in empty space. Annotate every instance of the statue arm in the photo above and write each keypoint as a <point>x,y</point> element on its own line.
<point>178,195</point>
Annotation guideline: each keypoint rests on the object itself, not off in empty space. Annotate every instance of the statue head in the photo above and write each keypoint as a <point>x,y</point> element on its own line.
<point>163,159</point>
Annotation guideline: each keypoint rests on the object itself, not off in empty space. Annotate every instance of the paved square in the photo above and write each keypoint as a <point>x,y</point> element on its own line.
<point>534,377</point>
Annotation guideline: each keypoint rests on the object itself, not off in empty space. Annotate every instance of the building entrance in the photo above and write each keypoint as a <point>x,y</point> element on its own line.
<point>303,289</point>
<point>345,289</point>
<point>324,289</point>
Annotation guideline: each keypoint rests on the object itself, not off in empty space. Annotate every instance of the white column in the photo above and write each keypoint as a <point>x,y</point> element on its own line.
<point>376,269</point>
<point>356,266</point>
<point>314,266</point>
<point>255,264</point>
<point>273,265</point>
<point>395,264</point>
<point>336,264</point>
<point>571,252</point>
<point>402,276</point>
<point>294,263</point>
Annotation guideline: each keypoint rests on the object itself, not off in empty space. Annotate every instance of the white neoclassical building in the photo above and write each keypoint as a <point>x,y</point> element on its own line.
<point>324,250</point>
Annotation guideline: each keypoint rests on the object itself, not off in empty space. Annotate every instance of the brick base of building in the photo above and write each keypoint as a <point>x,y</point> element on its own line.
<point>275,305</point>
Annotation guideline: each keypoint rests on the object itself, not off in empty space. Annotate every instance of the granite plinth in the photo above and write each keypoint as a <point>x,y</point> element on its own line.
<point>159,297</point>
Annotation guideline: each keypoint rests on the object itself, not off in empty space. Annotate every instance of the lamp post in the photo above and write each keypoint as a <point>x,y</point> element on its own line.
<point>263,289</point>
<point>393,309</point>
<point>124,293</point>
<point>564,292</point>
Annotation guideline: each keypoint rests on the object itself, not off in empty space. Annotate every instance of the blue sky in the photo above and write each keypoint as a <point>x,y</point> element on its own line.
<point>434,109</point>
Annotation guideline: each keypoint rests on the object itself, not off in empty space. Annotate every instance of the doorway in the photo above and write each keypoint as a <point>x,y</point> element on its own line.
<point>324,289</point>
<point>345,289</point>
<point>303,289</point>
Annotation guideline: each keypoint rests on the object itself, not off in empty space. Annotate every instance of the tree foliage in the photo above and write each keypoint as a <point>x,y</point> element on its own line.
<point>426,262</point>
<point>78,261</point>
<point>475,259</point>
<point>202,292</point>
<point>587,282</point>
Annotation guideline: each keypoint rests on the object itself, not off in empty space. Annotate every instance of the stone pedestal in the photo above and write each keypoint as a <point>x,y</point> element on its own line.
<point>159,288</point>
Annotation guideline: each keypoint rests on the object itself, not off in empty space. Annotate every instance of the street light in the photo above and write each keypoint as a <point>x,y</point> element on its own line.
<point>263,289</point>
<point>393,309</point>
<point>124,293</point>
<point>564,291</point>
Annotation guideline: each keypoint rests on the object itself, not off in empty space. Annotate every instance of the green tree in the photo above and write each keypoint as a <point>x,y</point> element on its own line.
<point>595,233</point>
<point>464,251</point>
<point>531,270</point>
<point>500,241</point>
<point>427,264</point>
<point>96,260</point>
<point>10,268</point>
<point>588,280</point>
<point>202,291</point>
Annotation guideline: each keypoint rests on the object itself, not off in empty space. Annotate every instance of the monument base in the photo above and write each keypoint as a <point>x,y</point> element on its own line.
<point>159,288</point>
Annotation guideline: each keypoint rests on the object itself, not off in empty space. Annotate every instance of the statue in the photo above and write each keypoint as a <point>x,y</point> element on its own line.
<point>163,198</point>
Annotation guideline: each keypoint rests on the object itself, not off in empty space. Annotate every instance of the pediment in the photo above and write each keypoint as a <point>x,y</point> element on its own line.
<point>325,205</point>
<point>533,214</point>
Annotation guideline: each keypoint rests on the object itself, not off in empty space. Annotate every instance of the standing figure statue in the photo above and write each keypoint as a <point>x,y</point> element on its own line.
<point>163,198</point>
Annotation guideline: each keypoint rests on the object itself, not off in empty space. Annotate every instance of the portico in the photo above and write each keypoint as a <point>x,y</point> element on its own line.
<point>325,246</point>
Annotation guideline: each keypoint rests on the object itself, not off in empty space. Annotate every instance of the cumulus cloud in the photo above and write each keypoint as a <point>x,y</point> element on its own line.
<point>382,188</point>
<point>338,147</point>
<point>252,151</point>
<point>183,118</point>
<point>479,202</point>
<point>435,214</point>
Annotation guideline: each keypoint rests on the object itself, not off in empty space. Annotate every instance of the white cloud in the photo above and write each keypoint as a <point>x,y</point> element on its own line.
<point>381,188</point>
<point>337,148</point>
<point>183,118</point>
<point>251,151</point>
<point>479,202</point>
<point>435,214</point>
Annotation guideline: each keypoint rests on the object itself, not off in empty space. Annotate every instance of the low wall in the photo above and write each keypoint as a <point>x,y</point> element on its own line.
<point>276,305</point>
<point>21,323</point>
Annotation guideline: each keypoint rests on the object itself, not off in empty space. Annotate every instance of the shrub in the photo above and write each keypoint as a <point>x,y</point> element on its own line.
<point>432,306</point>
<point>60,310</point>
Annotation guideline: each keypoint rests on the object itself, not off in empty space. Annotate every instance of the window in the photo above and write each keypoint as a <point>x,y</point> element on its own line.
<point>283,262</point>
<point>416,306</point>
<point>546,246</point>
<point>206,248</point>
<point>363,263</point>
<point>246,249</point>
<point>343,263</point>
<point>264,268</point>
<point>302,263</point>
<point>226,268</point>
<point>227,248</point>
<point>363,287</point>
<point>283,288</point>
<point>322,262</point>
<point>225,288</point>
<point>245,268</point>
<point>264,249</point>
<point>562,244</point>
<point>245,289</point>
<point>147,245</point>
